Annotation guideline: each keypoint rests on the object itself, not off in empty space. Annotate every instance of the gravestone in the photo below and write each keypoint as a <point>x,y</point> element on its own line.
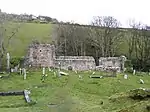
<point>20,71</point>
<point>54,74</point>
<point>141,81</point>
<point>49,69</point>
<point>80,77</point>
<point>43,72</point>
<point>125,76</point>
<point>93,73</point>
<point>16,93</point>
<point>75,71</point>
<point>58,73</point>
<point>26,95</point>
<point>24,73</point>
<point>133,72</point>
<point>43,75</point>
<point>8,62</point>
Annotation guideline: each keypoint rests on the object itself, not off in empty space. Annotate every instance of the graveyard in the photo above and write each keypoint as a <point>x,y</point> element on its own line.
<point>74,91</point>
<point>67,67</point>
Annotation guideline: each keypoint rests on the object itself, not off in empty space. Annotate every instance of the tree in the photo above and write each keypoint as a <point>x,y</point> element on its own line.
<point>139,46</point>
<point>70,39</point>
<point>105,36</point>
<point>5,35</point>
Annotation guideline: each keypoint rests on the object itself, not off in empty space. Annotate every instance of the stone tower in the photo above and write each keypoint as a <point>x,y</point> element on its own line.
<point>41,55</point>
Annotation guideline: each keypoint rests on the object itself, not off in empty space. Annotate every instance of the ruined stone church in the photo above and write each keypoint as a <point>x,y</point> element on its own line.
<point>43,55</point>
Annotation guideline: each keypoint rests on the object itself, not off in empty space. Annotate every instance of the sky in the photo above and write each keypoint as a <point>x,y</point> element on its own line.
<point>81,11</point>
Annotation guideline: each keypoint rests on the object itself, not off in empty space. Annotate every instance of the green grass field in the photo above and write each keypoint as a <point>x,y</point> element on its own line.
<point>26,33</point>
<point>70,94</point>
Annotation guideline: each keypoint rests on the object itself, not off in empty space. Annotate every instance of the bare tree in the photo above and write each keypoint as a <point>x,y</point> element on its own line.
<point>70,39</point>
<point>107,34</point>
<point>5,35</point>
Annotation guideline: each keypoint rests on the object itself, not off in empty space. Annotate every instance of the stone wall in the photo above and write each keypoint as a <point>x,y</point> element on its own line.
<point>76,62</point>
<point>41,55</point>
<point>106,63</point>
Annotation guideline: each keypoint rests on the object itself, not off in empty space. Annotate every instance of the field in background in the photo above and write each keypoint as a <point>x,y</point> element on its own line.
<point>27,33</point>
<point>71,94</point>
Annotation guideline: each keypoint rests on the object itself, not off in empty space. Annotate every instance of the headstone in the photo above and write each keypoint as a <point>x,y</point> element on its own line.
<point>80,77</point>
<point>26,94</point>
<point>63,73</point>
<point>49,69</point>
<point>12,70</point>
<point>75,71</point>
<point>20,70</point>
<point>54,74</point>
<point>125,76</point>
<point>141,81</point>
<point>43,71</point>
<point>58,73</point>
<point>93,73</point>
<point>24,73</point>
<point>8,62</point>
<point>133,72</point>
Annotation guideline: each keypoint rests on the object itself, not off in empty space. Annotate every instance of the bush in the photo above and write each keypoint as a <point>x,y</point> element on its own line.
<point>139,93</point>
<point>128,63</point>
<point>129,70</point>
<point>70,68</point>
<point>15,61</point>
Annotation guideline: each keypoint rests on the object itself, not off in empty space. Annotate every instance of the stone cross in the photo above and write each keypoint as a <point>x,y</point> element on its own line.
<point>8,62</point>
<point>125,76</point>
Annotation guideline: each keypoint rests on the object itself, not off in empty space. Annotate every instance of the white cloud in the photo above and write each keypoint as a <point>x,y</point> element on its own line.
<point>81,11</point>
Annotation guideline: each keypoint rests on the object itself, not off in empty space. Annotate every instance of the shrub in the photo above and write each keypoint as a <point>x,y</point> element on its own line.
<point>129,70</point>
<point>15,61</point>
<point>70,68</point>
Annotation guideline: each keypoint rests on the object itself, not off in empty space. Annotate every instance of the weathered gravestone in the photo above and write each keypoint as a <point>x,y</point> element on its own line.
<point>125,76</point>
<point>141,81</point>
<point>15,93</point>
<point>43,75</point>
<point>8,62</point>
<point>24,73</point>
<point>133,72</point>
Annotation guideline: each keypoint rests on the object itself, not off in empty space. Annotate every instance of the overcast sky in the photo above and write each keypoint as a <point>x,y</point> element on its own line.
<point>81,11</point>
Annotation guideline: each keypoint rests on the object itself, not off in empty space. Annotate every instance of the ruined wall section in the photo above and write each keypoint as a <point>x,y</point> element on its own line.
<point>41,55</point>
<point>107,63</point>
<point>76,62</point>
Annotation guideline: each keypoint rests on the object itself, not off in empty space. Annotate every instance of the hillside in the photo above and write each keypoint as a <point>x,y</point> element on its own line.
<point>25,35</point>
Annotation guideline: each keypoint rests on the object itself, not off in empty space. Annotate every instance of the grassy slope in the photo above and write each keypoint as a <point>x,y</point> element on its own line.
<point>25,35</point>
<point>71,94</point>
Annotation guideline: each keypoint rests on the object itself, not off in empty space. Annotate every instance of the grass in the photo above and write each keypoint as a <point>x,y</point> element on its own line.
<point>26,33</point>
<point>70,94</point>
